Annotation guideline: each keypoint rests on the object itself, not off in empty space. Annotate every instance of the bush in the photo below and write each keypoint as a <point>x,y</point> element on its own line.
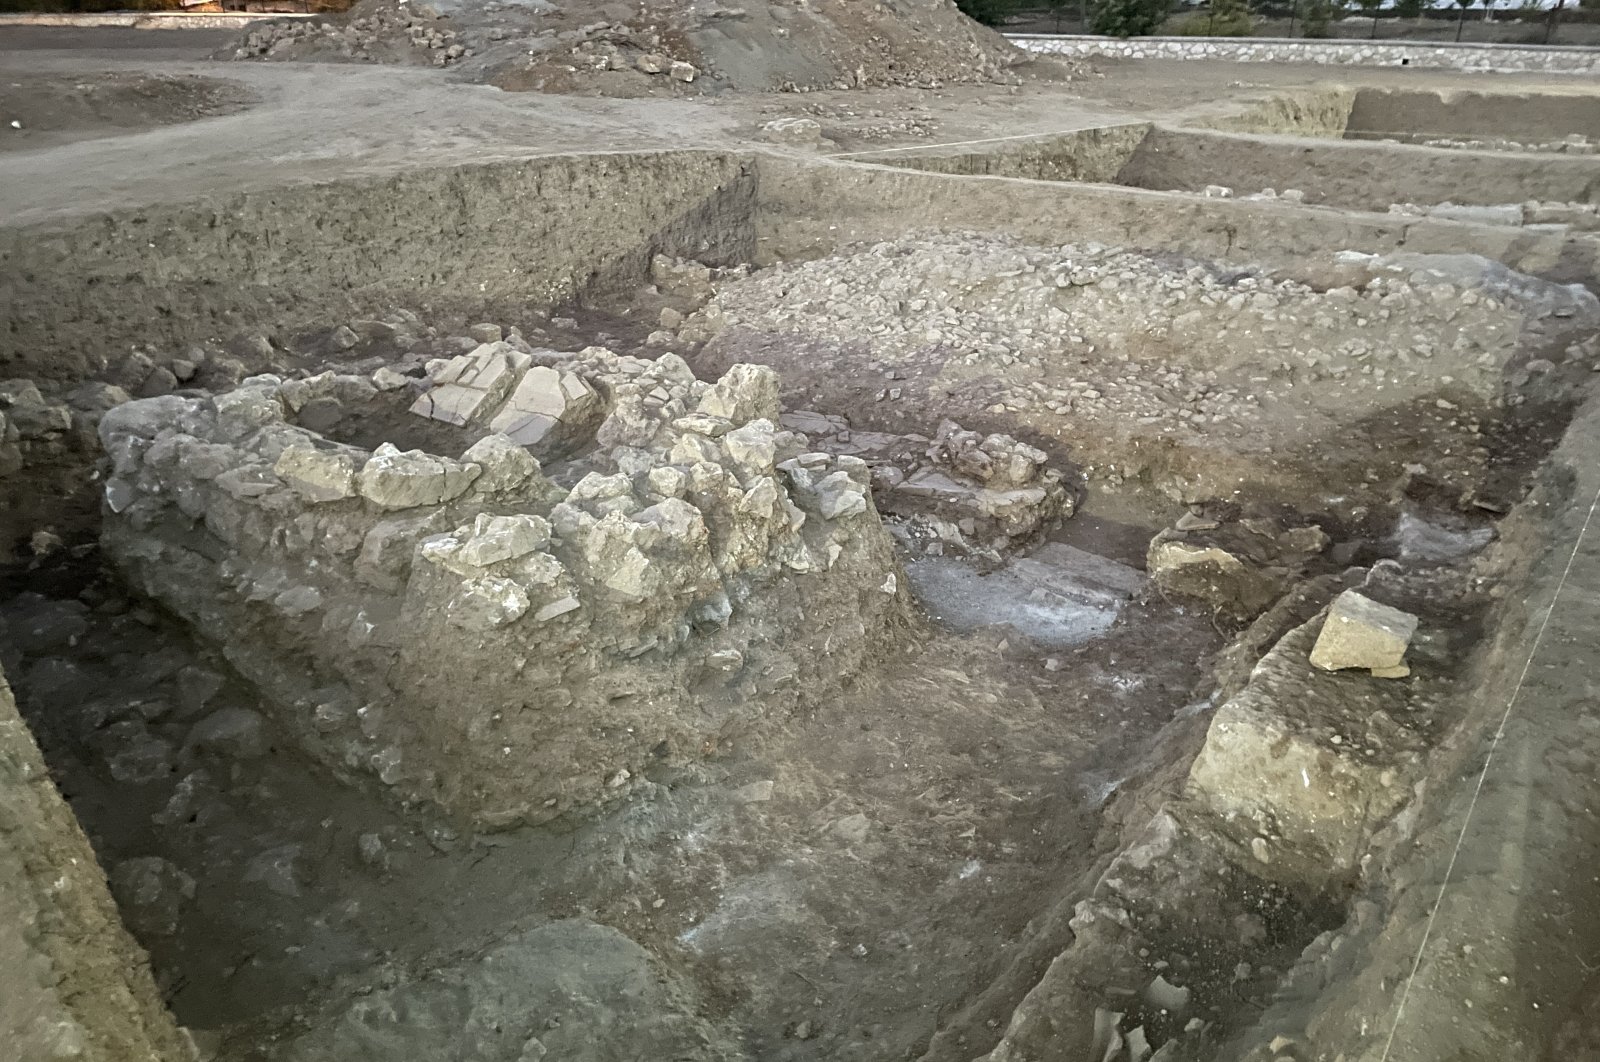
<point>1319,15</point>
<point>988,12</point>
<point>1227,18</point>
<point>1129,18</point>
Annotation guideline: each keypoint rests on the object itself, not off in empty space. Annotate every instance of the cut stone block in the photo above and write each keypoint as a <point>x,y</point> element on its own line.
<point>1359,632</point>
<point>395,480</point>
<point>469,386</point>
<point>317,475</point>
<point>543,398</point>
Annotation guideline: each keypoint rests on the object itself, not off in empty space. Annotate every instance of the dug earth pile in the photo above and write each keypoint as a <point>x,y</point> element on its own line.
<point>665,46</point>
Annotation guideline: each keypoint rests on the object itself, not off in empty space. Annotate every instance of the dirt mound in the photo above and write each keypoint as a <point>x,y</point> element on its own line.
<point>56,109</point>
<point>633,48</point>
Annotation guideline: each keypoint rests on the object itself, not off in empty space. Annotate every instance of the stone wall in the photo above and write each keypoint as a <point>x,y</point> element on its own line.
<point>1486,58</point>
<point>508,639</point>
<point>73,984</point>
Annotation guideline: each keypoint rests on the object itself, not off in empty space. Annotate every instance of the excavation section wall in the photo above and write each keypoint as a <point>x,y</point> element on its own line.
<point>73,984</point>
<point>1356,176</point>
<point>518,234</point>
<point>871,203</point>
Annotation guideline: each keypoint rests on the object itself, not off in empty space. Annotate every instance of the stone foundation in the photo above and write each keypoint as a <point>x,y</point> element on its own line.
<point>505,639</point>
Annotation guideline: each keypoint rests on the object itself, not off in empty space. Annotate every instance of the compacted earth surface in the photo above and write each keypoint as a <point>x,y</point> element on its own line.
<point>951,646</point>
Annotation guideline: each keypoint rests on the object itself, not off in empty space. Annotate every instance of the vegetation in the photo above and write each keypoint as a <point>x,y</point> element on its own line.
<point>989,12</point>
<point>1371,8</point>
<point>1128,18</point>
<point>1319,17</point>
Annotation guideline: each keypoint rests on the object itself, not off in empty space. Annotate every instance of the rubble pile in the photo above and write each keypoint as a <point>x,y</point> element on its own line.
<point>506,639</point>
<point>959,490</point>
<point>1101,332</point>
<point>627,48</point>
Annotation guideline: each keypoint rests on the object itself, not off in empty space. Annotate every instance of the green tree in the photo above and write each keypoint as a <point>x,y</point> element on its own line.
<point>1319,15</point>
<point>1058,10</point>
<point>1410,8</point>
<point>1230,18</point>
<point>1371,8</point>
<point>988,12</point>
<point>1129,18</point>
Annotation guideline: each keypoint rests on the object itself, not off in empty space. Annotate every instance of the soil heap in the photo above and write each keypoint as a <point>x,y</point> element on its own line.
<point>642,47</point>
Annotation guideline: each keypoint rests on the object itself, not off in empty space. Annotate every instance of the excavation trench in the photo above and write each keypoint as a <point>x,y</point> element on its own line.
<point>874,707</point>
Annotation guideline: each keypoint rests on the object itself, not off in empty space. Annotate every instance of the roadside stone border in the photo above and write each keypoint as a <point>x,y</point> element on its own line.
<point>1487,58</point>
<point>142,19</point>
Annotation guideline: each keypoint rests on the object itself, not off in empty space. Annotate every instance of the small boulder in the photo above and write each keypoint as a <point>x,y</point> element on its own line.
<point>1361,633</point>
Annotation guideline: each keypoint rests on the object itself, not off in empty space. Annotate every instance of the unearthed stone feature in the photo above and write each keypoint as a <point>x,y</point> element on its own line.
<point>498,387</point>
<point>471,384</point>
<point>317,475</point>
<point>567,990</point>
<point>514,646</point>
<point>1358,632</point>
<point>1238,567</point>
<point>545,399</point>
<point>394,480</point>
<point>1310,763</point>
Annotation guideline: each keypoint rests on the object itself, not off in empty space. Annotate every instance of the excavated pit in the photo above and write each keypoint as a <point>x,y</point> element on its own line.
<point>781,634</point>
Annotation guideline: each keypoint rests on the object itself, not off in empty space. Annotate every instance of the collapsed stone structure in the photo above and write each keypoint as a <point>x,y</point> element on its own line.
<point>961,490</point>
<point>508,640</point>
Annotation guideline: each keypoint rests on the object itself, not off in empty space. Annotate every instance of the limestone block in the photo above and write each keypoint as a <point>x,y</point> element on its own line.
<point>745,393</point>
<point>317,475</point>
<point>488,602</point>
<point>394,480</point>
<point>471,385</point>
<point>498,538</point>
<point>544,398</point>
<point>753,448</point>
<point>506,466</point>
<point>1304,765</point>
<point>1360,632</point>
<point>838,496</point>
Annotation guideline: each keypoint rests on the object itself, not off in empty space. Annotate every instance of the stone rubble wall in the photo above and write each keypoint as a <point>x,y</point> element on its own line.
<point>1477,58</point>
<point>468,629</point>
<point>73,984</point>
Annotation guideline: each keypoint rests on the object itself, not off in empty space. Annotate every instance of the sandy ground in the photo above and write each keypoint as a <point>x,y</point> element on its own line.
<point>316,121</point>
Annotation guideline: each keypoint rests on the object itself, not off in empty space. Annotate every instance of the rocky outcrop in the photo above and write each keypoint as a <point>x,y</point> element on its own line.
<point>507,639</point>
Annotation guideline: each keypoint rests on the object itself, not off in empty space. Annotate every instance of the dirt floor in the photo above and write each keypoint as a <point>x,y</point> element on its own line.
<point>976,834</point>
